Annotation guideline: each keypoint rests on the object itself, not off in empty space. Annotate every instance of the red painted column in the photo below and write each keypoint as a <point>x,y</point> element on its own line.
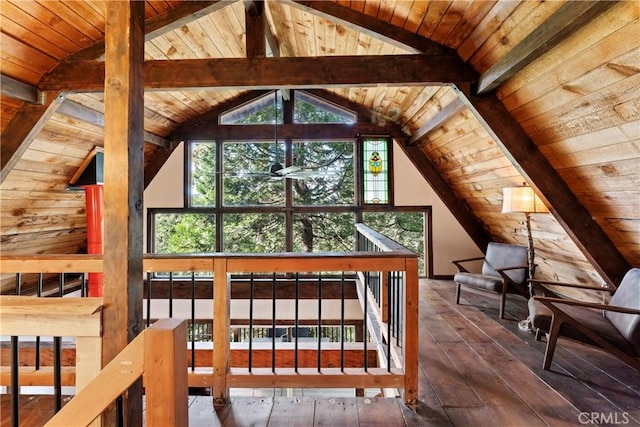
<point>95,232</point>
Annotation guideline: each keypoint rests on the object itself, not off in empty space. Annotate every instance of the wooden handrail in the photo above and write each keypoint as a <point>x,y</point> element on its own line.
<point>393,258</point>
<point>158,355</point>
<point>381,241</point>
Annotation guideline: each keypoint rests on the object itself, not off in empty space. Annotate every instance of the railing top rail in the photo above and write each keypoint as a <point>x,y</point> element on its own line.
<point>383,242</point>
<point>237,262</point>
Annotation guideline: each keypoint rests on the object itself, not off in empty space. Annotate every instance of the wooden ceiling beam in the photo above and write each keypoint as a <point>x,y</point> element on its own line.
<point>574,218</point>
<point>441,117</point>
<point>571,17</point>
<point>15,89</point>
<point>294,131</point>
<point>371,26</point>
<point>96,118</point>
<point>158,25</point>
<point>271,73</point>
<point>23,129</point>
<point>254,18</point>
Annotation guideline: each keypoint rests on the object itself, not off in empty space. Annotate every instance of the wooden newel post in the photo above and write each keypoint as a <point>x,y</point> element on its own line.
<point>165,375</point>
<point>410,344</point>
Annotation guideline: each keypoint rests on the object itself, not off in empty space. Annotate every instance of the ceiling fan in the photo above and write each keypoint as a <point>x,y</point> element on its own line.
<point>277,171</point>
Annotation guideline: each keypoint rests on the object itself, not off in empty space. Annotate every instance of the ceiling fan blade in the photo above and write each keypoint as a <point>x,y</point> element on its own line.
<point>308,174</point>
<point>288,170</point>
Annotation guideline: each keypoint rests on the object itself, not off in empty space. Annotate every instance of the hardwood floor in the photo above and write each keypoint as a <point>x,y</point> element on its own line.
<point>474,370</point>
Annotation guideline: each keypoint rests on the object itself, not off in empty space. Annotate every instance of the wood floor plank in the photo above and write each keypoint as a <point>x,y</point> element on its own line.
<point>292,411</point>
<point>202,412</point>
<point>249,412</point>
<point>449,385</point>
<point>428,409</point>
<point>471,416</point>
<point>382,412</point>
<point>506,407</point>
<point>336,412</point>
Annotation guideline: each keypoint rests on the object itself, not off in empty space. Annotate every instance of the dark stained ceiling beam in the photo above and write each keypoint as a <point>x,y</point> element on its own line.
<point>270,73</point>
<point>456,205</point>
<point>158,25</point>
<point>255,28</point>
<point>441,117</point>
<point>23,129</point>
<point>15,89</point>
<point>571,17</point>
<point>294,131</point>
<point>371,26</point>
<point>543,177</point>
<point>96,118</point>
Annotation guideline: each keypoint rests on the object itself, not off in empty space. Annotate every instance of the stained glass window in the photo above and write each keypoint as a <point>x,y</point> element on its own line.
<point>376,171</point>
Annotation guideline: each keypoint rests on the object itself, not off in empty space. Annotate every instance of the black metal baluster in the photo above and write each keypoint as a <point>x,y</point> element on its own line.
<point>389,281</point>
<point>295,352</point>
<point>319,322</point>
<point>250,320</point>
<point>342,323</point>
<point>18,283</point>
<point>83,285</point>
<point>171,294</point>
<point>57,374</point>
<point>119,412</point>
<point>392,302</point>
<point>364,327</point>
<point>15,384</point>
<point>148,299</point>
<point>61,284</point>
<point>401,286</point>
<point>39,294</point>
<point>273,323</point>
<point>193,321</point>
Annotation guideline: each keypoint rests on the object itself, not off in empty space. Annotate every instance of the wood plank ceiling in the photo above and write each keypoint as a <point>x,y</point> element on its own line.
<point>566,77</point>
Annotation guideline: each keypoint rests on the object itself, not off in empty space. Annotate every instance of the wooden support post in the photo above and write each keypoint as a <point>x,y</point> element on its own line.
<point>221,312</point>
<point>410,344</point>
<point>123,177</point>
<point>165,373</point>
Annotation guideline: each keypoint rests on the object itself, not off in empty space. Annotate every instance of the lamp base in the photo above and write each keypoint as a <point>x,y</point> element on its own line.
<point>526,326</point>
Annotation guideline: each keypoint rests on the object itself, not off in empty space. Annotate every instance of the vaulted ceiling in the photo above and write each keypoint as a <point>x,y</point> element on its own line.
<point>481,95</point>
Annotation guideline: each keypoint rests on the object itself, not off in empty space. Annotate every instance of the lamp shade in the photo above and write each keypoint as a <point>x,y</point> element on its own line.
<point>521,199</point>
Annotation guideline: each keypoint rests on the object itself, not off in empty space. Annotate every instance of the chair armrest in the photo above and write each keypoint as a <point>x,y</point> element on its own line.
<point>551,301</point>
<point>458,262</point>
<point>515,267</point>
<point>569,285</point>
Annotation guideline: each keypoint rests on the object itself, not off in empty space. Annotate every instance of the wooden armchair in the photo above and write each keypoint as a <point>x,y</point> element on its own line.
<point>504,270</point>
<point>614,327</point>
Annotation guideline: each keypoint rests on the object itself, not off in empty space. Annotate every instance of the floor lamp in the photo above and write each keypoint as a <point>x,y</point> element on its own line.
<point>524,200</point>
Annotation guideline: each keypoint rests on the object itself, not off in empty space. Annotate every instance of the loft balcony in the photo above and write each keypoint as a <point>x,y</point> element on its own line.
<point>469,367</point>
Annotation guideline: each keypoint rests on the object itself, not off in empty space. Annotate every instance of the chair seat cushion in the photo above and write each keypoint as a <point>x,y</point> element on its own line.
<point>540,316</point>
<point>482,281</point>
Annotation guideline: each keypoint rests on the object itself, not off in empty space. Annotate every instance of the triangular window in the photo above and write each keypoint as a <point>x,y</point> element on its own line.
<point>312,109</point>
<point>260,110</point>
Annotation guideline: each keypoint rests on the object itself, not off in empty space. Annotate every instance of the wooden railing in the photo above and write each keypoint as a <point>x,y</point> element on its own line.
<point>157,354</point>
<point>387,261</point>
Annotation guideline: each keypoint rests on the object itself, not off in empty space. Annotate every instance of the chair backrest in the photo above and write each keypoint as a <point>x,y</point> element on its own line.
<point>501,255</point>
<point>627,295</point>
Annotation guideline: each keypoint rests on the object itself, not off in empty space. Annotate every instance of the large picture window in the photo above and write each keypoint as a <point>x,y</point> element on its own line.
<point>286,193</point>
